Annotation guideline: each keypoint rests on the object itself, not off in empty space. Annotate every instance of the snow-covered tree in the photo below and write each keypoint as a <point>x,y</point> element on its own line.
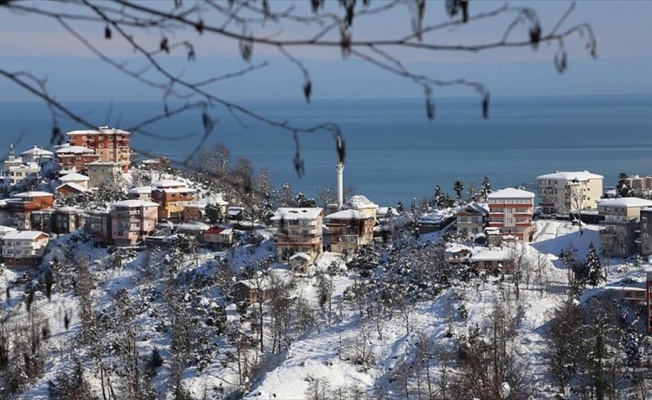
<point>594,267</point>
<point>458,187</point>
<point>622,187</point>
<point>486,188</point>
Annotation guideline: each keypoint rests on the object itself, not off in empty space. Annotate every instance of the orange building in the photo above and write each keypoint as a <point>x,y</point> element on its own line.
<point>511,211</point>
<point>172,197</point>
<point>75,158</point>
<point>110,144</point>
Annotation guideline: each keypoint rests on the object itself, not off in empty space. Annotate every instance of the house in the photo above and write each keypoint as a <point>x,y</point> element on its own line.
<point>622,218</point>
<point>511,211</point>
<point>348,230</point>
<point>195,229</point>
<point>74,158</point>
<point>70,189</point>
<point>16,211</point>
<point>36,155</point>
<point>298,230</point>
<point>493,260</point>
<point>3,231</point>
<point>99,223</point>
<point>218,237</point>
<point>458,254</point>
<point>196,211</point>
<point>628,289</point>
<point>103,172</point>
<point>23,249</point>
<point>434,221</point>
<point>172,196</point>
<point>140,193</point>
<point>235,213</point>
<point>76,178</point>
<point>472,219</point>
<point>362,204</point>
<point>110,144</point>
<point>563,193</point>
<point>248,290</point>
<point>67,219</point>
<point>132,220</point>
<point>301,263</point>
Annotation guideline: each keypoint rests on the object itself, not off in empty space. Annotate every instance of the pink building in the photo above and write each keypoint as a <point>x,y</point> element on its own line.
<point>132,220</point>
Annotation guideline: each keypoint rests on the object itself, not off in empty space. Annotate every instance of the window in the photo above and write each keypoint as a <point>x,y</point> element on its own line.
<point>101,145</point>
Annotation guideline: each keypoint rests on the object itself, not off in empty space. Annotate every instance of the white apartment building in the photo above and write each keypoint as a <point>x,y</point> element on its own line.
<point>563,193</point>
<point>298,230</point>
<point>23,249</point>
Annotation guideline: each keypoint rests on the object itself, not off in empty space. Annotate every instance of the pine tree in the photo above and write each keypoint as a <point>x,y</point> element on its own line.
<point>458,187</point>
<point>594,267</point>
<point>438,196</point>
<point>399,207</point>
<point>486,188</point>
<point>623,188</point>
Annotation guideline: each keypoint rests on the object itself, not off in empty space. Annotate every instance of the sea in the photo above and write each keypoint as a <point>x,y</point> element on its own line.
<point>393,152</point>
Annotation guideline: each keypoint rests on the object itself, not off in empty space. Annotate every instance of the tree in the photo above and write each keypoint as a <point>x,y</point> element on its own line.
<point>594,267</point>
<point>623,187</point>
<point>248,26</point>
<point>486,188</point>
<point>458,187</point>
<point>565,342</point>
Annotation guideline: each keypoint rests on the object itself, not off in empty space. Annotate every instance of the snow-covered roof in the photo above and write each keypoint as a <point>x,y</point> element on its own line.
<point>481,208</point>
<point>347,214</point>
<point>625,202</point>
<point>33,194</point>
<point>301,255</point>
<point>178,190</point>
<point>73,185</point>
<point>134,203</point>
<point>6,229</point>
<point>511,193</point>
<point>73,177</point>
<point>105,130</point>
<point>70,209</point>
<point>571,176</point>
<point>74,149</point>
<point>140,190</point>
<point>193,226</point>
<point>167,183</point>
<point>24,235</point>
<point>288,213</point>
<point>359,201</point>
<point>37,151</point>
<point>491,255</point>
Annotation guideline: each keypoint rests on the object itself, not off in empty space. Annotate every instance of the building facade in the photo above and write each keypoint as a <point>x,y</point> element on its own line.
<point>23,249</point>
<point>16,210</point>
<point>472,220</point>
<point>511,211</point>
<point>622,218</point>
<point>172,196</point>
<point>110,144</point>
<point>103,172</point>
<point>75,158</point>
<point>298,230</point>
<point>563,193</point>
<point>132,220</point>
<point>348,230</point>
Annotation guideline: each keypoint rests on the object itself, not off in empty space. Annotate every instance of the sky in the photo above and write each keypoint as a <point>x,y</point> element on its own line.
<point>624,64</point>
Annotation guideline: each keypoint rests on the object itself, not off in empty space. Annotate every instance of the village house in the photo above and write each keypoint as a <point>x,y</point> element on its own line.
<point>196,211</point>
<point>194,229</point>
<point>140,193</point>
<point>103,172</point>
<point>472,219</point>
<point>248,290</point>
<point>110,144</point>
<point>132,220</point>
<point>511,211</point>
<point>563,193</point>
<point>17,169</point>
<point>235,213</point>
<point>622,217</point>
<point>3,231</point>
<point>74,180</point>
<point>217,237</point>
<point>434,221</point>
<point>172,196</point>
<point>40,220</point>
<point>16,211</point>
<point>490,260</point>
<point>74,158</point>
<point>301,263</point>
<point>70,189</point>
<point>348,230</point>
<point>99,223</point>
<point>640,184</point>
<point>298,230</point>
<point>23,249</point>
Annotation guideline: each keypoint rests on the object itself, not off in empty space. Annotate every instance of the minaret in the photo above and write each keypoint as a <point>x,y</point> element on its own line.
<point>340,184</point>
<point>11,152</point>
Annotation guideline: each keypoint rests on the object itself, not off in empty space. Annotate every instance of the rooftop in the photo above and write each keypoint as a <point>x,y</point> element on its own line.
<point>511,193</point>
<point>570,176</point>
<point>359,201</point>
<point>625,202</point>
<point>347,214</point>
<point>24,235</point>
<point>288,213</point>
<point>101,130</point>
<point>134,203</point>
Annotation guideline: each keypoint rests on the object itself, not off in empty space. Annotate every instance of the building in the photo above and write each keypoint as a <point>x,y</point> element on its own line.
<point>75,158</point>
<point>74,177</point>
<point>493,260</point>
<point>218,237</point>
<point>195,229</point>
<point>16,211</point>
<point>172,196</point>
<point>70,189</point>
<point>110,144</point>
<point>298,230</point>
<point>23,249</point>
<point>348,230</point>
<point>639,184</point>
<point>196,211</point>
<point>472,220</point>
<point>99,223</point>
<point>563,193</point>
<point>140,193</point>
<point>511,211</point>
<point>67,219</point>
<point>622,218</point>
<point>17,169</point>
<point>645,238</point>
<point>36,155</point>
<point>132,220</point>
<point>103,172</point>
<point>247,290</point>
<point>362,204</point>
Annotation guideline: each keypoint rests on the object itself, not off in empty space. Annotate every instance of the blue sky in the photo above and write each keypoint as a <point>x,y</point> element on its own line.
<point>624,63</point>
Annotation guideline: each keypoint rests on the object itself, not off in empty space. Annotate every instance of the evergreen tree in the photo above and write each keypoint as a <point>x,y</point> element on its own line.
<point>594,267</point>
<point>486,188</point>
<point>472,192</point>
<point>458,187</point>
<point>399,207</point>
<point>214,213</point>
<point>438,196</point>
<point>623,188</point>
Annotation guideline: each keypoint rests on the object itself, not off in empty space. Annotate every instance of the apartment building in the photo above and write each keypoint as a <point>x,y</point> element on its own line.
<point>132,220</point>
<point>16,211</point>
<point>103,172</point>
<point>110,144</point>
<point>622,218</point>
<point>348,230</point>
<point>75,158</point>
<point>562,193</point>
<point>23,249</point>
<point>298,230</point>
<point>472,219</point>
<point>511,210</point>
<point>172,196</point>
<point>362,204</point>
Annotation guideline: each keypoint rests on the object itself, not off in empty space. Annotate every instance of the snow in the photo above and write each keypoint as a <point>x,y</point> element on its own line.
<point>74,177</point>
<point>74,149</point>
<point>295,213</point>
<point>359,202</point>
<point>33,194</point>
<point>510,193</point>
<point>348,215</point>
<point>168,184</point>
<point>24,235</point>
<point>624,202</point>
<point>104,130</point>
<point>571,176</point>
<point>134,203</point>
